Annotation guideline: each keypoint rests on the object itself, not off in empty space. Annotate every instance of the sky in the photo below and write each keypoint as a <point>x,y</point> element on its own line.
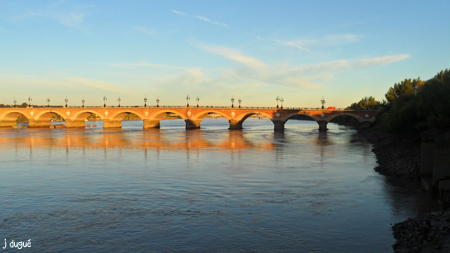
<point>215,50</point>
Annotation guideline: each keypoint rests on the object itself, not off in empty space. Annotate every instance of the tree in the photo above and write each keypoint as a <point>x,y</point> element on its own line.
<point>366,103</point>
<point>405,87</point>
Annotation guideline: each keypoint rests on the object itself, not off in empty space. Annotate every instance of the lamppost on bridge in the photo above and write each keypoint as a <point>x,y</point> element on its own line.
<point>281,100</point>
<point>82,102</point>
<point>104,101</point>
<point>278,99</point>
<point>118,100</point>
<point>323,102</point>
<point>29,101</point>
<point>66,100</point>
<point>157,101</point>
<point>187,100</point>
<point>14,101</point>
<point>48,102</point>
<point>232,102</point>
<point>145,101</point>
<point>239,101</point>
<point>198,99</point>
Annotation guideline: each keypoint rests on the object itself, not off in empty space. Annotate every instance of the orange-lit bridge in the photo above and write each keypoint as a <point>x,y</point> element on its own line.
<point>112,116</point>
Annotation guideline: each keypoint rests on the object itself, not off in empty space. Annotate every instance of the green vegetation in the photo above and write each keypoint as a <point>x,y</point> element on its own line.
<point>366,103</point>
<point>414,106</point>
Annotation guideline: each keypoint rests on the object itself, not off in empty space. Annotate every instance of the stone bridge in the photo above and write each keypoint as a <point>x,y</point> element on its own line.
<point>112,116</point>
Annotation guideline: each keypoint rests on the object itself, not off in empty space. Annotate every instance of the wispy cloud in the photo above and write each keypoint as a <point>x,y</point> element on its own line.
<point>212,22</point>
<point>179,13</point>
<point>69,16</point>
<point>200,17</point>
<point>292,44</point>
<point>130,65</point>
<point>327,41</point>
<point>384,60</point>
<point>236,56</point>
<point>303,76</point>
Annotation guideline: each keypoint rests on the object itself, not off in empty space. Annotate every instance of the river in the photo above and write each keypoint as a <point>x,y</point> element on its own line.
<point>135,190</point>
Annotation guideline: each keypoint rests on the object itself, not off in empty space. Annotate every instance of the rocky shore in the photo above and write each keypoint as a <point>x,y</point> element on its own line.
<point>399,157</point>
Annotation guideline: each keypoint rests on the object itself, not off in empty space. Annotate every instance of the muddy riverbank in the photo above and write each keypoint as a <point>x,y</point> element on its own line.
<point>400,158</point>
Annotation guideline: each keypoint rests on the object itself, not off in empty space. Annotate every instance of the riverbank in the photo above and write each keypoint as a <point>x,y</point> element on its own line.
<point>400,158</point>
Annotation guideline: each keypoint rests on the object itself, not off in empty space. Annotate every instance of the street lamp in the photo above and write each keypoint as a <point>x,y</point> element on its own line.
<point>104,101</point>
<point>187,100</point>
<point>232,102</point>
<point>14,101</point>
<point>82,102</point>
<point>29,101</point>
<point>157,101</point>
<point>48,102</point>
<point>145,101</point>
<point>66,100</point>
<point>278,99</point>
<point>239,102</point>
<point>118,100</point>
<point>281,100</point>
<point>323,102</point>
<point>198,99</point>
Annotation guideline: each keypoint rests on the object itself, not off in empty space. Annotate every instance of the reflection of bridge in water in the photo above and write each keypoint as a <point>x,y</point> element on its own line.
<point>112,117</point>
<point>153,140</point>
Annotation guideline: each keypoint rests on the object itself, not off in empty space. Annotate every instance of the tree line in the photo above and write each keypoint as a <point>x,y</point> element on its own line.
<point>413,106</point>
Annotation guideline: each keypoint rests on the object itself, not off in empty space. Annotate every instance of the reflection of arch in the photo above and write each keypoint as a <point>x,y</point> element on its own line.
<point>85,114</point>
<point>161,114</point>
<point>287,117</point>
<point>121,114</point>
<point>201,115</point>
<point>12,116</point>
<point>358,118</point>
<point>47,115</point>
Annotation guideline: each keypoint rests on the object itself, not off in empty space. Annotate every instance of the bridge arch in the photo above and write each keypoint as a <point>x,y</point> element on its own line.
<point>287,117</point>
<point>358,118</point>
<point>154,120</point>
<point>121,114</point>
<point>82,115</point>
<point>241,118</point>
<point>13,115</point>
<point>159,115</point>
<point>10,119</point>
<point>236,123</point>
<point>48,115</point>
<point>203,114</point>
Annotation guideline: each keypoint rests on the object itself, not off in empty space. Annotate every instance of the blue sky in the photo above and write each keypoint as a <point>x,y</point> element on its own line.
<point>255,50</point>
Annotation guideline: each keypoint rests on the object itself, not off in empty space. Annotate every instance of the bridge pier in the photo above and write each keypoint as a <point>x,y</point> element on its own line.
<point>151,123</point>
<point>192,124</point>
<point>39,123</point>
<point>278,125</point>
<point>235,125</point>
<point>75,123</point>
<point>322,125</point>
<point>5,123</point>
<point>365,124</point>
<point>112,123</point>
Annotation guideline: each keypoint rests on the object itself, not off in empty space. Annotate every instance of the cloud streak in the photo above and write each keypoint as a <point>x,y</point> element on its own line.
<point>179,13</point>
<point>328,41</point>
<point>304,76</point>
<point>69,17</point>
<point>212,22</point>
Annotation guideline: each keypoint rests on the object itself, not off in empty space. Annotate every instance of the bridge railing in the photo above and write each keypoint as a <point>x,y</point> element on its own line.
<point>193,107</point>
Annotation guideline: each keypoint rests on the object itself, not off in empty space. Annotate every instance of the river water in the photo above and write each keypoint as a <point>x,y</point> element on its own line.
<point>135,190</point>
